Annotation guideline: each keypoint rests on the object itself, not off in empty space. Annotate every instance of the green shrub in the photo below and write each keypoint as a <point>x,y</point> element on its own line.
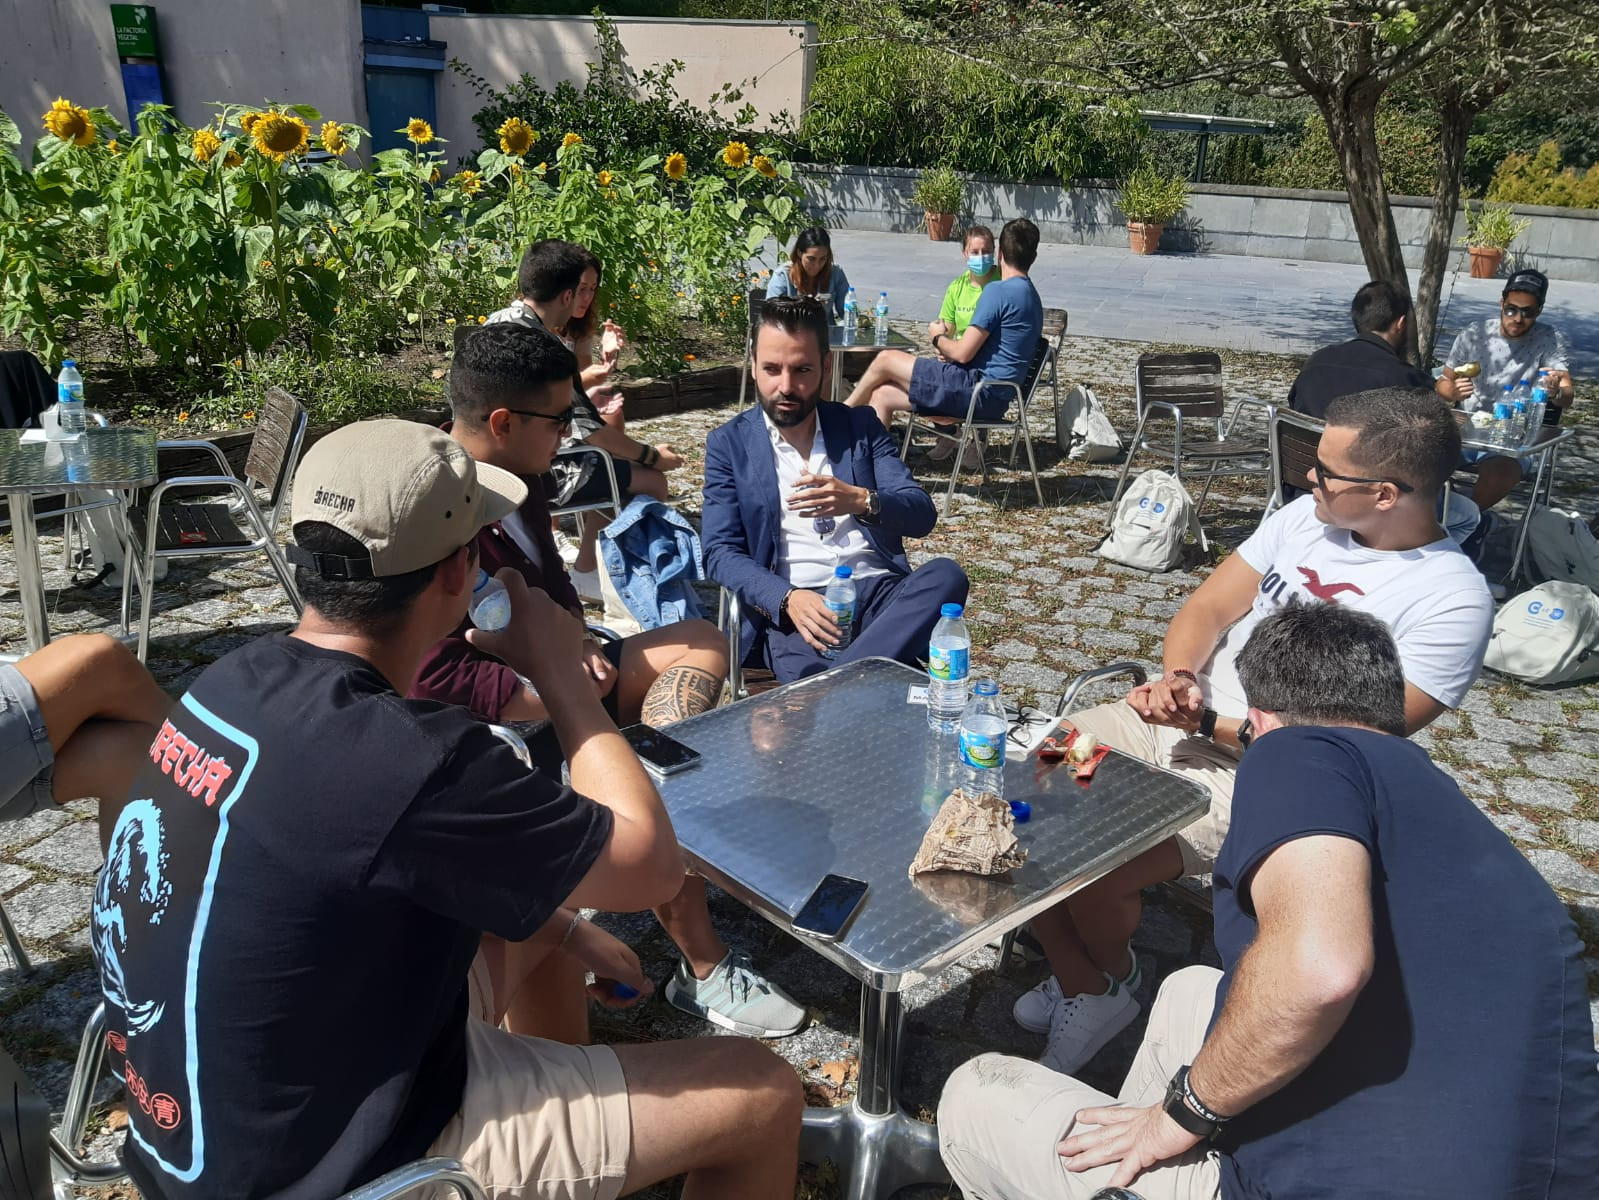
<point>1493,226</point>
<point>1146,195</point>
<point>1407,146</point>
<point>940,190</point>
<point>1540,179</point>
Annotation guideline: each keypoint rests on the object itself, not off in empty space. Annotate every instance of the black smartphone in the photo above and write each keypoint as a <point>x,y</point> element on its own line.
<point>832,905</point>
<point>661,754</point>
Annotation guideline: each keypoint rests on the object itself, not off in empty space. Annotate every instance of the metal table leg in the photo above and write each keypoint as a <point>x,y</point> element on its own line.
<point>877,1148</point>
<point>1526,517</point>
<point>30,579</point>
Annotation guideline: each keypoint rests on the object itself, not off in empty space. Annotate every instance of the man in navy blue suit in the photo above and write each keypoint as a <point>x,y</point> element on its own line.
<point>794,489</point>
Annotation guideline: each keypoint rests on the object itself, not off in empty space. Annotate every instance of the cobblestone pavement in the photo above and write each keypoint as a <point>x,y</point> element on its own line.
<point>1043,607</point>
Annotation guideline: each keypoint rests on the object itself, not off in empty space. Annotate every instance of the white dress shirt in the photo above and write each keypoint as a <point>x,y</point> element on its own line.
<point>806,558</point>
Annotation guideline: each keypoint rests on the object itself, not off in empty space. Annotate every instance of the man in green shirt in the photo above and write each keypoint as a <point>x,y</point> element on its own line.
<point>960,298</point>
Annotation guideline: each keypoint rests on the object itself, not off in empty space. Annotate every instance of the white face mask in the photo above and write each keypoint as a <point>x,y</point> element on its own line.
<point>980,264</point>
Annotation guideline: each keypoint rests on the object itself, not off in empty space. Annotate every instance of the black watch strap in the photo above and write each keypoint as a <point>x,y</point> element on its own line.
<point>1191,1113</point>
<point>1246,733</point>
<point>1207,723</point>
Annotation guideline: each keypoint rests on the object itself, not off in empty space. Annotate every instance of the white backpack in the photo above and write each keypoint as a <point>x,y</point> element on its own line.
<point>1564,547</point>
<point>1083,431</point>
<point>1547,635</point>
<point>1153,517</point>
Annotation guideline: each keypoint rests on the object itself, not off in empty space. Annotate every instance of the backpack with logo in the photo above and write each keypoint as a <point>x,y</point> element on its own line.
<point>1547,635</point>
<point>1152,518</point>
<point>1563,547</point>
<point>1082,430</point>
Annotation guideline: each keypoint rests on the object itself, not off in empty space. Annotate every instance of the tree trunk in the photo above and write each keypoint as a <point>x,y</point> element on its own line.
<point>1454,124</point>
<point>1351,118</point>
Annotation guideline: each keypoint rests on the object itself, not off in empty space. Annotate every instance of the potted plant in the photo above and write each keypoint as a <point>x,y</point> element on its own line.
<point>1148,200</point>
<point>940,193</point>
<point>1491,229</point>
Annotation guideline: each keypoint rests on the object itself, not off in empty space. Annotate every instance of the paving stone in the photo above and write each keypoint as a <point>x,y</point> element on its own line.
<point>1024,554</point>
<point>1039,574</point>
<point>1447,721</point>
<point>1091,617</point>
<point>1583,834</point>
<point>1538,710</point>
<point>1498,729</point>
<point>1515,826</point>
<point>1110,639</point>
<point>1035,676</point>
<point>31,829</point>
<point>1162,608</point>
<point>13,876</point>
<point>207,613</point>
<point>1148,590</point>
<point>73,849</point>
<point>47,909</point>
<point>1478,701</point>
<point>1563,871</point>
<point>1540,793</point>
<point>1559,765</point>
<point>1122,603</point>
<point>1481,752</point>
<point>1014,650</point>
<point>1143,625</point>
<point>1080,564</point>
<point>1588,718</point>
<point>1578,743</point>
<point>1021,604</point>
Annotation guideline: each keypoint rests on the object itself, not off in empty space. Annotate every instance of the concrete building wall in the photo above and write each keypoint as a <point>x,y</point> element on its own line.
<point>1269,222</point>
<point>211,50</point>
<point>779,56</point>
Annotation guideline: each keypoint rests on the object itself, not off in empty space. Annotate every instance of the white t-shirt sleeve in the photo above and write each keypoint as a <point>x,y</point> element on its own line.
<point>1461,351</point>
<point>1442,653</point>
<point>1261,548</point>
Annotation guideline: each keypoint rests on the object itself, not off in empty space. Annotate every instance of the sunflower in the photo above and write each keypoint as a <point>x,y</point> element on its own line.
<point>764,165</point>
<point>517,137</point>
<point>232,159</point>
<point>676,166</point>
<point>70,123</point>
<point>418,131</point>
<point>571,139</point>
<point>333,139</point>
<point>470,182</point>
<point>247,121</point>
<point>736,154</point>
<point>206,145</point>
<point>603,179</point>
<point>278,135</point>
<point>113,147</point>
<point>516,170</point>
<point>435,176</point>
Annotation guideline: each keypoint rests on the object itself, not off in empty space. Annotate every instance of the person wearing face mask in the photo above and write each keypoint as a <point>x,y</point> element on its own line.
<point>960,298</point>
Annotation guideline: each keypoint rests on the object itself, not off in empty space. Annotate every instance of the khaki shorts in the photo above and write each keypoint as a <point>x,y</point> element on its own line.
<point>27,764</point>
<point>538,1118</point>
<point>1001,1119</point>
<point>1193,758</point>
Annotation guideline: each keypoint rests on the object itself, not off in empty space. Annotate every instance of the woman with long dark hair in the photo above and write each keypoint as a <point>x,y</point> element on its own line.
<point>811,271</point>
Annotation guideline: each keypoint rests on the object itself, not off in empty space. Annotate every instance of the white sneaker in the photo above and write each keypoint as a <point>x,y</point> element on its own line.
<point>565,547</point>
<point>587,583</point>
<point>1081,1025</point>
<point>1035,1010</point>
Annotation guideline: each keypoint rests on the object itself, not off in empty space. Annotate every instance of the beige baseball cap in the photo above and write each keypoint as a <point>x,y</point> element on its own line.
<point>411,494</point>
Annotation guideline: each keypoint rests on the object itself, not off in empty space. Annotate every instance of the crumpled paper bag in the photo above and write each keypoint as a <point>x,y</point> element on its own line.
<point>970,833</point>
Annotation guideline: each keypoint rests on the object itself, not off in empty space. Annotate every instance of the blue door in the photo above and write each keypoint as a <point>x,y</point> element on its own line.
<point>393,96</point>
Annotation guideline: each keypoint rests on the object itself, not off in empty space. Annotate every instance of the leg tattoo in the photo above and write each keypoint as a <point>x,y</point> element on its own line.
<point>680,692</point>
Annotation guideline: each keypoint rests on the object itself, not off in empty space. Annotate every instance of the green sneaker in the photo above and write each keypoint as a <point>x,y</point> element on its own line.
<point>735,996</point>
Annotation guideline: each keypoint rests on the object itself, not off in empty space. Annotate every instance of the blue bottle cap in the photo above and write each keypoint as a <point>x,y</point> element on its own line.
<point>951,611</point>
<point>69,362</point>
<point>622,992</point>
<point>986,687</point>
<point>843,572</point>
<point>1022,811</point>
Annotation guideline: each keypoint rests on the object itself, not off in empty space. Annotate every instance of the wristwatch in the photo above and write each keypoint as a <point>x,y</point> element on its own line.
<point>874,505</point>
<point>936,336</point>
<point>1207,723</point>
<point>1182,1106</point>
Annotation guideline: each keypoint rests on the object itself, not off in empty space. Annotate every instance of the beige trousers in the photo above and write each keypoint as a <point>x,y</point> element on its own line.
<point>1001,1119</point>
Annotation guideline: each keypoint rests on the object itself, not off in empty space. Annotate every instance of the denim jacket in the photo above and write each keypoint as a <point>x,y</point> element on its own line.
<point>652,554</point>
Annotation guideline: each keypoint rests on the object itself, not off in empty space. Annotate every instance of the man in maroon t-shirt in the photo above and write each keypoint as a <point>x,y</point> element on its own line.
<point>511,397</point>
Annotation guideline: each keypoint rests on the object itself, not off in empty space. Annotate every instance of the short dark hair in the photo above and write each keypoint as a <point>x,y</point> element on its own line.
<point>549,268</point>
<point>1406,433</point>
<point>1377,306</point>
<point>1324,664</point>
<point>496,366</point>
<point>796,315</point>
<point>368,605</point>
<point>976,231</point>
<point>1018,243</point>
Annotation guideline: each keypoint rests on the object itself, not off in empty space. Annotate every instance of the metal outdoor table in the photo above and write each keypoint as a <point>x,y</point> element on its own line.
<point>863,340</point>
<point>839,774</point>
<point>1543,446</point>
<point>113,458</point>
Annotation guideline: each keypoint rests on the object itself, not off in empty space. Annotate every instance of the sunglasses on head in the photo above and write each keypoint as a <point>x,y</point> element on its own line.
<point>564,417</point>
<point>1527,311</point>
<point>1323,475</point>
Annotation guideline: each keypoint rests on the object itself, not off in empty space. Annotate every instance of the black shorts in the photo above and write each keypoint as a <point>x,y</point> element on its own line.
<point>594,485</point>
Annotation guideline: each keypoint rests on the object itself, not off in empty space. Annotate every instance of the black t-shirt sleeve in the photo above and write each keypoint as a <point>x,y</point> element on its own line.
<point>1295,782</point>
<point>486,841</point>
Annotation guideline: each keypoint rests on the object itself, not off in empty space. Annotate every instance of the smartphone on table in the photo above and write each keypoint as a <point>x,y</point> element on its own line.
<point>831,907</point>
<point>661,754</point>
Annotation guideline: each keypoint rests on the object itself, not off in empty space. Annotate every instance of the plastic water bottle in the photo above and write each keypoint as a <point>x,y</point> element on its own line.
<point>1518,421</point>
<point>69,399</point>
<point>982,740</point>
<point>881,311</point>
<point>949,661</point>
<point>491,604</point>
<point>852,310</point>
<point>1502,432</point>
<point>1537,404</point>
<point>840,601</point>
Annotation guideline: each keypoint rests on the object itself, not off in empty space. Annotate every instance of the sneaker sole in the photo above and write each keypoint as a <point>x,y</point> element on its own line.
<point>675,997</point>
<point>1098,1044</point>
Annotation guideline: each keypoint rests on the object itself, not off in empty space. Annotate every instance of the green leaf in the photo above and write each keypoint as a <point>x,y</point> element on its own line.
<point>305,111</point>
<point>781,208</point>
<point>260,333</point>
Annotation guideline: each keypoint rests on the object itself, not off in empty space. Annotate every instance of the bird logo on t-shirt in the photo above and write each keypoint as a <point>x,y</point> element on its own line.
<point>1326,591</point>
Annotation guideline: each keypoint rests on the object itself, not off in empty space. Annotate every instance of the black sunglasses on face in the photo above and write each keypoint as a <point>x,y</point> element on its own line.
<point>1528,311</point>
<point>1323,475</point>
<point>564,417</point>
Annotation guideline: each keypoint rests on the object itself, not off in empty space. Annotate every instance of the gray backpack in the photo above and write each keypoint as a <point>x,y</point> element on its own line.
<point>1563,546</point>
<point>1152,519</point>
<point>1547,635</point>
<point>1082,429</point>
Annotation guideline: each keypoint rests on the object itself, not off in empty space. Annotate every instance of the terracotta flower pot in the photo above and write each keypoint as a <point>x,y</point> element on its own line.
<point>940,225</point>
<point>1144,237</point>
<point>1485,261</point>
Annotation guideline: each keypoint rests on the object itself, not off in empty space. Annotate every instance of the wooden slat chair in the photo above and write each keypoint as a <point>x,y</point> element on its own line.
<point>245,524</point>
<point>1294,438</point>
<point>1185,388</point>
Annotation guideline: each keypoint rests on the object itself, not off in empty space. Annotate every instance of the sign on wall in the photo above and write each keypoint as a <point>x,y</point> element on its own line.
<point>135,26</point>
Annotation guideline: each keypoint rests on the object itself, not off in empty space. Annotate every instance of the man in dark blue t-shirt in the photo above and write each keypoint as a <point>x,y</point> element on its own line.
<point>1403,1010</point>
<point>999,344</point>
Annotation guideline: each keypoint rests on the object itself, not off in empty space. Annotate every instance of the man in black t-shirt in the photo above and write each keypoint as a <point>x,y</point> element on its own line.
<point>1380,312</point>
<point>289,920</point>
<point>1403,1010</point>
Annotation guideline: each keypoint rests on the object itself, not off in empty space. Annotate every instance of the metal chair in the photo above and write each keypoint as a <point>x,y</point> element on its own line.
<point>1185,388</point>
<point>729,614</point>
<point>239,526</point>
<point>14,943</point>
<point>603,460</point>
<point>1054,330</point>
<point>1293,438</point>
<point>71,1171</point>
<point>973,429</point>
<point>756,299</point>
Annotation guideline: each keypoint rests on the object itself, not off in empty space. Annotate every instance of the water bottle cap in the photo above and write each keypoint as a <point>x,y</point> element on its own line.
<point>843,572</point>
<point>482,578</point>
<point>69,362</point>
<point>986,687</point>
<point>883,295</point>
<point>951,612</point>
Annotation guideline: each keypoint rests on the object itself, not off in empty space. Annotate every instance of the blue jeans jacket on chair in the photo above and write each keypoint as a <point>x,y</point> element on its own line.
<point>652,554</point>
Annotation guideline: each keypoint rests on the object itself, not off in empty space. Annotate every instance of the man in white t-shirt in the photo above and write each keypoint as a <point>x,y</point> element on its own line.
<point>1367,537</point>
<point>1509,349</point>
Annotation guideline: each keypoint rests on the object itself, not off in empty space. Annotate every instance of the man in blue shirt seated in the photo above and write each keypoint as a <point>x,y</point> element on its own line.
<point>1403,1009</point>
<point>998,344</point>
